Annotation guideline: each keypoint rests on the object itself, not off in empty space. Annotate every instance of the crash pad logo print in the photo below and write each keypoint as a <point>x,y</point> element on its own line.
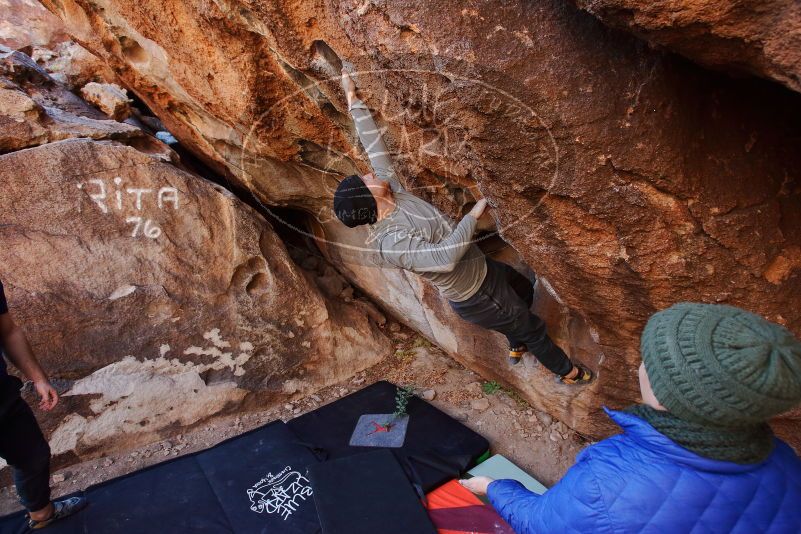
<point>280,494</point>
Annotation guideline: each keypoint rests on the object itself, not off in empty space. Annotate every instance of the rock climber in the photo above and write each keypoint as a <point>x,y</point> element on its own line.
<point>409,233</point>
<point>698,454</point>
<point>22,444</point>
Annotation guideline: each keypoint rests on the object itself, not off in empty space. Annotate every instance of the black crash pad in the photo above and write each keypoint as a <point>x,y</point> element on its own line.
<point>256,482</point>
<point>367,493</point>
<point>437,447</point>
<point>253,483</point>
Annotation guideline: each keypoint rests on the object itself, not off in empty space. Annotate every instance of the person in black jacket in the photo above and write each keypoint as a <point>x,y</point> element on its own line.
<point>22,444</point>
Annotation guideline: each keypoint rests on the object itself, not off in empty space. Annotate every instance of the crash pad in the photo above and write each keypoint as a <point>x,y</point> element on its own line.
<point>498,467</point>
<point>436,448</point>
<point>257,482</point>
<point>253,483</point>
<point>456,510</point>
<point>367,493</point>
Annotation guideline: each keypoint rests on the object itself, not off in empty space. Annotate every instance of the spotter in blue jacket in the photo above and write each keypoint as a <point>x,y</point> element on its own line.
<point>641,481</point>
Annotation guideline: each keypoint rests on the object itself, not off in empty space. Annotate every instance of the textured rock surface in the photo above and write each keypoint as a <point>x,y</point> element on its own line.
<point>155,299</point>
<point>73,65</point>
<point>761,37</point>
<point>627,178</point>
<point>35,109</point>
<point>113,297</point>
<point>109,98</point>
<point>26,23</point>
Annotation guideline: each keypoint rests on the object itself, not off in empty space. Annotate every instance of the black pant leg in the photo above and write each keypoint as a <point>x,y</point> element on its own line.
<point>529,328</point>
<point>25,449</point>
<point>549,354</point>
<point>522,287</point>
<point>498,307</point>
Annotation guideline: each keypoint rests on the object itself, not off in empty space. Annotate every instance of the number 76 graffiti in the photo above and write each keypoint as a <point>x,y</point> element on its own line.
<point>142,226</point>
<point>149,229</point>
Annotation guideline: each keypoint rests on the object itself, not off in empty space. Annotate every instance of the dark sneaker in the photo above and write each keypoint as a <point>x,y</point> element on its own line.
<point>584,376</point>
<point>516,354</point>
<point>61,509</point>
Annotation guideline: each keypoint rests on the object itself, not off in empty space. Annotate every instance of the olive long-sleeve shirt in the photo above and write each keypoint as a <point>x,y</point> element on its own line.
<point>416,236</point>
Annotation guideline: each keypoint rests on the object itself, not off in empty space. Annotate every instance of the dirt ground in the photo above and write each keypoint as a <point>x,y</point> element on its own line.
<point>533,440</point>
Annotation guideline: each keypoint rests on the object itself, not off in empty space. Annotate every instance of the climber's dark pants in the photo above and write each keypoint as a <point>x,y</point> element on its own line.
<point>23,447</point>
<point>502,304</point>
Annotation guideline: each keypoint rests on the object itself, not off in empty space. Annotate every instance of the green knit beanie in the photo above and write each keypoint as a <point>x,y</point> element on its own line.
<point>720,365</point>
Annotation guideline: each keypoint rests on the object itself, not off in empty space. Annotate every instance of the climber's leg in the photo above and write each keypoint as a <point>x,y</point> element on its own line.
<point>533,334</point>
<point>546,350</point>
<point>498,307</point>
<point>524,289</point>
<point>522,286</point>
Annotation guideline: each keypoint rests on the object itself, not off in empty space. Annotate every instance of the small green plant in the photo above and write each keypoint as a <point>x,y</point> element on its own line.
<point>402,396</point>
<point>421,342</point>
<point>517,397</point>
<point>491,387</point>
<point>404,355</point>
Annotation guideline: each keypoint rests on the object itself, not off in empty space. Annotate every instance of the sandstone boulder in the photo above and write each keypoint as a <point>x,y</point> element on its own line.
<point>109,98</point>
<point>157,299</point>
<point>73,65</point>
<point>36,109</point>
<point>761,37</point>
<point>625,177</point>
<point>26,23</point>
<point>27,26</point>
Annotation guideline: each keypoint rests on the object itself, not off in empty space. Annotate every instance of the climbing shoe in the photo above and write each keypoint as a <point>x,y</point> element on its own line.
<point>516,354</point>
<point>61,509</point>
<point>584,376</point>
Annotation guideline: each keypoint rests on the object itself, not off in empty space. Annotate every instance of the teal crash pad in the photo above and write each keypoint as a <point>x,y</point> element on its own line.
<point>498,467</point>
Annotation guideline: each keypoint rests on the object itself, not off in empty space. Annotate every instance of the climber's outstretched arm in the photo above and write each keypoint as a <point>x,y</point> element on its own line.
<point>370,135</point>
<point>409,252</point>
<point>420,256</point>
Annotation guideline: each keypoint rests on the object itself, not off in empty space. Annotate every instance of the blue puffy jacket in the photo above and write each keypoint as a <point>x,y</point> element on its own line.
<point>641,481</point>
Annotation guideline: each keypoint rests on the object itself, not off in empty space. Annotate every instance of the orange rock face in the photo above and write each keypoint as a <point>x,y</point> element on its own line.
<point>155,299</point>
<point>761,37</point>
<point>626,178</point>
<point>27,26</point>
<point>26,23</point>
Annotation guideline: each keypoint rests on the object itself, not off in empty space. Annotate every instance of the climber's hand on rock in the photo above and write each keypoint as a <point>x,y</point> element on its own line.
<point>348,86</point>
<point>486,223</point>
<point>478,209</point>
<point>477,485</point>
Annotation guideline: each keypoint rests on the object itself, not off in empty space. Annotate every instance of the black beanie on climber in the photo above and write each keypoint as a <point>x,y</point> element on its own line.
<point>354,204</point>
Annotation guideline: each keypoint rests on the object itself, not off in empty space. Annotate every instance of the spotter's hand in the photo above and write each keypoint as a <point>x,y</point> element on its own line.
<point>477,485</point>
